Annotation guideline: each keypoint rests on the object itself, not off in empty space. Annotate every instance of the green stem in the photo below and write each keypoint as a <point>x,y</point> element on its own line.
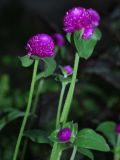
<point>37,97</point>
<point>73,153</point>
<point>56,152</point>
<point>27,110</point>
<point>34,108</point>
<point>70,92</point>
<point>60,104</point>
<point>117,149</point>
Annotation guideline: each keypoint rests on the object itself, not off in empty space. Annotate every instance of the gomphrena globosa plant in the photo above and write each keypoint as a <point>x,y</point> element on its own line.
<point>81,27</point>
<point>80,24</point>
<point>40,45</point>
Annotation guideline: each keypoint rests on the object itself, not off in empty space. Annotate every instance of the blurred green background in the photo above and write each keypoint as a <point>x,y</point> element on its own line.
<point>97,95</point>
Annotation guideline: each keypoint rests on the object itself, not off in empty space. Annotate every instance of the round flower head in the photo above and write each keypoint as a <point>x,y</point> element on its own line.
<point>117,129</point>
<point>95,17</point>
<point>73,19</point>
<point>59,39</point>
<point>80,18</point>
<point>64,134</point>
<point>68,69</point>
<point>41,45</point>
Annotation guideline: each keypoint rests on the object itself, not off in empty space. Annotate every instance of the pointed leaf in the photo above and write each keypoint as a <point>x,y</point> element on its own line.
<point>26,61</point>
<point>53,136</point>
<point>108,129</point>
<point>12,115</point>
<point>68,36</point>
<point>85,47</point>
<point>37,136</point>
<point>86,152</point>
<point>50,66</point>
<point>88,138</point>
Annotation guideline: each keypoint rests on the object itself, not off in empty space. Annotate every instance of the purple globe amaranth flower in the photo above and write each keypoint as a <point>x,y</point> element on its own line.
<point>59,39</point>
<point>117,128</point>
<point>64,134</point>
<point>80,18</point>
<point>72,19</point>
<point>68,69</point>
<point>41,45</point>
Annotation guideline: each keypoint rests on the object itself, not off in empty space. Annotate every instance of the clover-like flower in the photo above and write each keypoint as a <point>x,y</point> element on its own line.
<point>80,18</point>
<point>68,69</point>
<point>117,128</point>
<point>64,134</point>
<point>41,45</point>
<point>59,39</point>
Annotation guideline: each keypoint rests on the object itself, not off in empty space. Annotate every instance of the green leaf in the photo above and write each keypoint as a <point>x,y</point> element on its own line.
<point>74,132</point>
<point>68,36</point>
<point>63,79</point>
<point>85,47</point>
<point>37,136</point>
<point>50,66</point>
<point>88,138</point>
<point>14,114</point>
<point>26,61</point>
<point>53,136</point>
<point>86,152</point>
<point>97,34</point>
<point>108,129</point>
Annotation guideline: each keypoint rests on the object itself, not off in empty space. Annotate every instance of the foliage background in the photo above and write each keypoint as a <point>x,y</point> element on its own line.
<point>97,93</point>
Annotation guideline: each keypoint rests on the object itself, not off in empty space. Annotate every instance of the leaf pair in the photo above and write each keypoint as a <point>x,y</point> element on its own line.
<point>50,65</point>
<point>84,47</point>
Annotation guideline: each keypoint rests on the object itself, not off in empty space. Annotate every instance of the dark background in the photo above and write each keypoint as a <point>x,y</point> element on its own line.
<point>97,93</point>
<point>19,19</point>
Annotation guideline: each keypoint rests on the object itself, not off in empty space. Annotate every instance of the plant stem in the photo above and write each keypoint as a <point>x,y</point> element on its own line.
<point>60,104</point>
<point>27,110</point>
<point>70,92</point>
<point>117,149</point>
<point>73,153</point>
<point>56,153</point>
<point>34,108</point>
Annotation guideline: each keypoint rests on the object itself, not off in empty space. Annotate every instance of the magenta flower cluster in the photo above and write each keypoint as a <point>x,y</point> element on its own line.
<point>41,45</point>
<point>80,18</point>
<point>64,134</point>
